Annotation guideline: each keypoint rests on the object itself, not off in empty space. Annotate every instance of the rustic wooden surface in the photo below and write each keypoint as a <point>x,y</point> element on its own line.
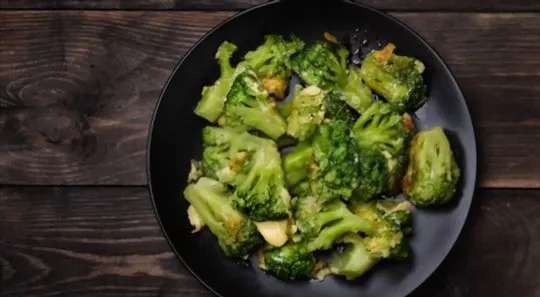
<point>78,85</point>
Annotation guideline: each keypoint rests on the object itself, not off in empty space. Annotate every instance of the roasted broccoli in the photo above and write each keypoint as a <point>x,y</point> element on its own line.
<point>322,224</point>
<point>373,175</point>
<point>271,62</point>
<point>355,93</point>
<point>291,261</point>
<point>213,98</point>
<point>432,174</point>
<point>323,64</point>
<point>335,108</point>
<point>354,261</point>
<point>390,221</point>
<point>397,78</point>
<point>386,131</point>
<point>306,113</point>
<point>249,107</point>
<point>262,195</point>
<point>236,234</point>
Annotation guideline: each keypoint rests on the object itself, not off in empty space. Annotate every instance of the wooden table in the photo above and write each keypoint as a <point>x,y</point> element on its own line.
<point>78,84</point>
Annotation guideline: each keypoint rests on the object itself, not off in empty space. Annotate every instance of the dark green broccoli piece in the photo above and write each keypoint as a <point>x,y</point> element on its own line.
<point>271,62</point>
<point>383,129</point>
<point>432,174</point>
<point>249,107</point>
<point>213,97</point>
<point>336,109</point>
<point>226,153</point>
<point>373,175</point>
<point>306,112</point>
<point>237,235</point>
<point>322,64</point>
<point>390,221</point>
<point>291,261</point>
<point>355,260</point>
<point>397,78</point>
<point>355,93</point>
<point>322,224</point>
<point>262,195</point>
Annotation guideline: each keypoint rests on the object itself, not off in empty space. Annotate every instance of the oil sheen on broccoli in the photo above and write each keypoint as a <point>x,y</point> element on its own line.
<point>291,261</point>
<point>250,108</point>
<point>271,62</point>
<point>396,78</point>
<point>384,130</point>
<point>237,235</point>
<point>355,93</point>
<point>213,97</point>
<point>322,224</point>
<point>432,174</point>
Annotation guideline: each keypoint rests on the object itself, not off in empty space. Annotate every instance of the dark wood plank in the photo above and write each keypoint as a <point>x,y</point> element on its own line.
<point>106,241</point>
<point>77,89</point>
<point>401,5</point>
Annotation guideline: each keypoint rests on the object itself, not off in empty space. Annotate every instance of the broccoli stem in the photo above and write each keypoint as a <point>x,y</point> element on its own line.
<point>271,124</point>
<point>296,163</point>
<point>355,260</point>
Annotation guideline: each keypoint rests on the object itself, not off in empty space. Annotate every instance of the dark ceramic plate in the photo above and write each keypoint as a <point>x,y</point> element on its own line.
<point>175,138</point>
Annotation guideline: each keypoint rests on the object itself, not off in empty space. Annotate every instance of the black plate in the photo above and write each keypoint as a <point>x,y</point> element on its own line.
<point>175,139</point>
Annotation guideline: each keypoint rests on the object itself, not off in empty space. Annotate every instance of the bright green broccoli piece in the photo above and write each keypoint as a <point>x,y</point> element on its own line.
<point>432,174</point>
<point>322,64</point>
<point>262,195</point>
<point>355,260</point>
<point>397,78</point>
<point>306,113</point>
<point>237,235</point>
<point>271,62</point>
<point>384,130</point>
<point>322,224</point>
<point>291,261</point>
<point>355,93</point>
<point>334,170</point>
<point>213,97</point>
<point>296,163</point>
<point>249,107</point>
<point>226,153</point>
<point>390,221</point>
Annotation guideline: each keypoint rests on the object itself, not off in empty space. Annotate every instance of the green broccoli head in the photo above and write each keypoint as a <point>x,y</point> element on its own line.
<point>322,224</point>
<point>322,64</point>
<point>249,107</point>
<point>271,62</point>
<point>306,113</point>
<point>397,78</point>
<point>334,170</point>
<point>373,175</point>
<point>355,260</point>
<point>226,153</point>
<point>355,93</point>
<point>263,195</point>
<point>290,261</point>
<point>336,109</point>
<point>432,174</point>
<point>213,97</point>
<point>237,235</point>
<point>381,128</point>
<point>390,221</point>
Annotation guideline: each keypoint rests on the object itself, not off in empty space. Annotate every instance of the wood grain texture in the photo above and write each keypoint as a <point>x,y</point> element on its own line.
<point>106,242</point>
<point>402,5</point>
<point>77,89</point>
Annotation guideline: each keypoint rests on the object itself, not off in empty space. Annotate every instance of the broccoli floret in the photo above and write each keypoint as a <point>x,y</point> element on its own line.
<point>390,221</point>
<point>322,224</point>
<point>237,235</point>
<point>355,93</point>
<point>432,174</point>
<point>271,62</point>
<point>336,109</point>
<point>306,113</point>
<point>355,260</point>
<point>373,175</point>
<point>334,170</point>
<point>383,129</point>
<point>397,78</point>
<point>322,64</point>
<point>291,261</point>
<point>296,163</point>
<point>263,195</point>
<point>249,107</point>
<point>213,97</point>
<point>226,153</point>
